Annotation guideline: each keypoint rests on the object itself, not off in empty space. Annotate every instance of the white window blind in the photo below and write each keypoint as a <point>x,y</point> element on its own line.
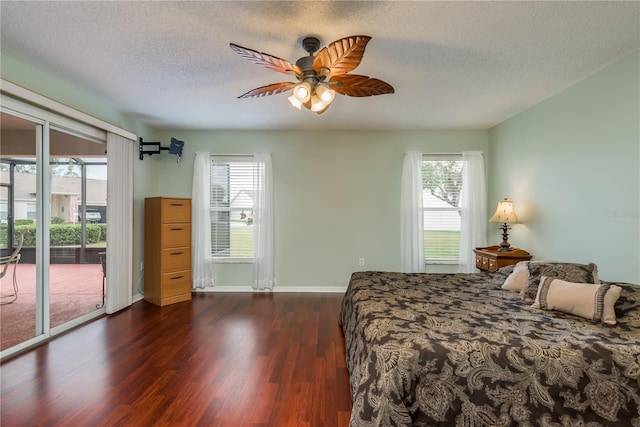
<point>232,202</point>
<point>441,183</point>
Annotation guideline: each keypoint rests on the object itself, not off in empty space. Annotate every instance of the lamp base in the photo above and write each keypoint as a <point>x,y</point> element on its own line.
<point>505,246</point>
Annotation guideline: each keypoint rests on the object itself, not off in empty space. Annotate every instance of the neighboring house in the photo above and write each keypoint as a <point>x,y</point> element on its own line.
<point>447,220</point>
<point>66,197</point>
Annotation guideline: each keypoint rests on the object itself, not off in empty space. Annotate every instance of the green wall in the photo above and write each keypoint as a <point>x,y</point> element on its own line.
<point>337,195</point>
<point>571,166</point>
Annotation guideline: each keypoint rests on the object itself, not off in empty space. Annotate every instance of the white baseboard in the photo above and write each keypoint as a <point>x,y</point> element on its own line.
<point>308,289</point>
<point>138,297</point>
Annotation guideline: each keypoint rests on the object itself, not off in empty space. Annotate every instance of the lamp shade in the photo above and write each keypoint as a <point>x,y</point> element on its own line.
<point>317,104</point>
<point>325,94</point>
<point>505,213</point>
<point>302,91</point>
<point>295,102</point>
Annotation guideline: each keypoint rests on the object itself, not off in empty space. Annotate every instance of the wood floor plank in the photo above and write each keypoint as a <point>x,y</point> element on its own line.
<point>223,359</point>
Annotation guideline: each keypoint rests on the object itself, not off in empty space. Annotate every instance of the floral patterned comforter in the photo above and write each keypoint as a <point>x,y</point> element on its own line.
<point>457,350</point>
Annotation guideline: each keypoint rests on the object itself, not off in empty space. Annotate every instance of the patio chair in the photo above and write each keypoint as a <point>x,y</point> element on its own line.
<point>5,262</point>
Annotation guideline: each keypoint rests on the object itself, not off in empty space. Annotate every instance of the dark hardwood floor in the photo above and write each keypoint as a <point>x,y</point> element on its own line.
<point>223,359</point>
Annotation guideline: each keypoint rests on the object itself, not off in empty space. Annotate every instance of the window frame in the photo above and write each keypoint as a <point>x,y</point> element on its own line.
<point>439,157</point>
<point>227,159</point>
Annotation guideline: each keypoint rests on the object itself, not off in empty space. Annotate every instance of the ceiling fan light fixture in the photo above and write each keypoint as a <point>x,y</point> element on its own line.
<point>295,102</point>
<point>302,92</point>
<point>317,104</point>
<point>325,94</point>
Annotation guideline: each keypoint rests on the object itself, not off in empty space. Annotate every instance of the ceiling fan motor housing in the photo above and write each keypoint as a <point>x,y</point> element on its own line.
<point>308,75</point>
<point>311,44</point>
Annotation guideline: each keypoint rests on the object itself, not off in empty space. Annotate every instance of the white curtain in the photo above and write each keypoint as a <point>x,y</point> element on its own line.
<point>411,224</point>
<point>263,257</point>
<point>119,223</point>
<point>202,267</point>
<point>473,205</point>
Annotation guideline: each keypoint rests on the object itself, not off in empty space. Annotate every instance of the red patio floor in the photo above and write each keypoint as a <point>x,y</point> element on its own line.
<point>75,289</point>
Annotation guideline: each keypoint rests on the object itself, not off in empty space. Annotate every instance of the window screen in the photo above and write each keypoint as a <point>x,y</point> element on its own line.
<point>441,185</point>
<point>231,199</point>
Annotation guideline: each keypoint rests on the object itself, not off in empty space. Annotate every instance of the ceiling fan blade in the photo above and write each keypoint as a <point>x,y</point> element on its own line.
<point>271,89</point>
<point>341,56</point>
<point>359,86</point>
<point>272,62</point>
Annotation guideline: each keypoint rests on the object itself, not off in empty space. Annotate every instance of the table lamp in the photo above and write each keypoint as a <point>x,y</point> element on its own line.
<point>506,215</point>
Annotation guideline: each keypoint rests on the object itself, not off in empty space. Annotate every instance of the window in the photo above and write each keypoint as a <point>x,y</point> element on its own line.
<point>31,210</point>
<point>441,185</point>
<point>232,202</point>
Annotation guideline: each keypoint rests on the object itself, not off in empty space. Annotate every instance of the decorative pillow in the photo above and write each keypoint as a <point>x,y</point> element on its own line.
<point>576,273</point>
<point>506,270</point>
<point>520,275</point>
<point>594,302</point>
<point>518,279</point>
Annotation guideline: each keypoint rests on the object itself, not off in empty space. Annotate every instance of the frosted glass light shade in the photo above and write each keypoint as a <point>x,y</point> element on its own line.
<point>295,102</point>
<point>302,91</point>
<point>316,103</point>
<point>325,94</point>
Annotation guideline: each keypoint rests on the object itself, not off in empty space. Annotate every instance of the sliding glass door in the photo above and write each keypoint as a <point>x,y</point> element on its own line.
<point>77,225</point>
<point>21,289</point>
<point>53,200</point>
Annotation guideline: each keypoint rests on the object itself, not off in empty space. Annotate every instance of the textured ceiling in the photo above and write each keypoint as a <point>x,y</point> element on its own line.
<point>462,65</point>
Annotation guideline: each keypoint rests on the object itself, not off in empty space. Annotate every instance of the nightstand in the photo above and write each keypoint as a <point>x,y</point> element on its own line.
<point>490,259</point>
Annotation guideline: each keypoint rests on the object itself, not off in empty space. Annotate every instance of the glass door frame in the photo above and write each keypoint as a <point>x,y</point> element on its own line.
<point>18,99</point>
<point>44,121</point>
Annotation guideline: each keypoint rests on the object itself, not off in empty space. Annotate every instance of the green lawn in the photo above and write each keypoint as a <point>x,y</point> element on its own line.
<point>441,244</point>
<point>241,242</point>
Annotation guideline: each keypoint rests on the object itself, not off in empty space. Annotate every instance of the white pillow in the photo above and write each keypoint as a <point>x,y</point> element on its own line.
<point>570,272</point>
<point>591,301</point>
<point>518,279</point>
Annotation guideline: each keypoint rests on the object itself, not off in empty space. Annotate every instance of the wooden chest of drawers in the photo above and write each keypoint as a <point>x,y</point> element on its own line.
<point>490,259</point>
<point>167,250</point>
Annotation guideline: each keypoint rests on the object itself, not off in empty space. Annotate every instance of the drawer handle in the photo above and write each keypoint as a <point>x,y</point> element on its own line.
<point>177,253</point>
<point>177,277</point>
<point>177,229</point>
<point>177,204</point>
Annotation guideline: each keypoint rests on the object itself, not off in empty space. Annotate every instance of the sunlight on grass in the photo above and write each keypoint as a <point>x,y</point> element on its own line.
<point>441,245</point>
<point>242,242</point>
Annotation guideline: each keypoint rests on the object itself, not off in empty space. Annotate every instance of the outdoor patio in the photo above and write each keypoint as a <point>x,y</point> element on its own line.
<point>75,289</point>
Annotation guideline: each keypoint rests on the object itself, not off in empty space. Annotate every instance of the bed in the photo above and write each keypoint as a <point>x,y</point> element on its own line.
<point>459,350</point>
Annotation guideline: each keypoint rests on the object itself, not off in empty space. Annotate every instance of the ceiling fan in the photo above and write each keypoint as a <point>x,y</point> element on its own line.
<point>321,76</point>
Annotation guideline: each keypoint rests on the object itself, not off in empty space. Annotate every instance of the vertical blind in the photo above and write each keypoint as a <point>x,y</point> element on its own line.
<point>232,202</point>
<point>442,182</point>
<point>120,222</point>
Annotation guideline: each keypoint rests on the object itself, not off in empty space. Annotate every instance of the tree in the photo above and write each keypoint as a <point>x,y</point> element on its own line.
<point>65,170</point>
<point>443,178</point>
<point>57,170</point>
<point>25,168</point>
